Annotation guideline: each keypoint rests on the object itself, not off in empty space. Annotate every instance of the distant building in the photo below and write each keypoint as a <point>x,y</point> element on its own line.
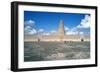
<point>59,36</point>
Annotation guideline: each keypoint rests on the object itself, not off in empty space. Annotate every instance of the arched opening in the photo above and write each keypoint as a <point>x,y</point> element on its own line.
<point>38,39</point>
<point>82,39</point>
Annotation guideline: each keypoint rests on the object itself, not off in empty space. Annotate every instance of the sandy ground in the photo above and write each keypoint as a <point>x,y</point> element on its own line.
<point>46,51</point>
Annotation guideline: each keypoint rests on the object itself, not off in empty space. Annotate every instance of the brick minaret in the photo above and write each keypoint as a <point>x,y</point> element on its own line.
<point>61,31</point>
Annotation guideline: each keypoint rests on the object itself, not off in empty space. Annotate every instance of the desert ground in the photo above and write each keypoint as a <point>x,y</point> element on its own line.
<point>47,51</point>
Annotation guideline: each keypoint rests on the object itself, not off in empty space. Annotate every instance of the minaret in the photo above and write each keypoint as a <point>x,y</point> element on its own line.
<point>61,31</point>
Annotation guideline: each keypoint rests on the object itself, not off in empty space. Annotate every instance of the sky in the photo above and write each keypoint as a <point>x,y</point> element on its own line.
<point>46,23</point>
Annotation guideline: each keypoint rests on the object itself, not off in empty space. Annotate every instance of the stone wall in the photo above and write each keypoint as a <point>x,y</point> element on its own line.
<point>57,38</point>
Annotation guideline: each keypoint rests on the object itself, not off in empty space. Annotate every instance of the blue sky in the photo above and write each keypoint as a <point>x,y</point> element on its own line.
<point>49,21</point>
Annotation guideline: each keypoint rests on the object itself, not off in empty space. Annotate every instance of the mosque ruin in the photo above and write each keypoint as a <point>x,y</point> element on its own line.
<point>59,36</point>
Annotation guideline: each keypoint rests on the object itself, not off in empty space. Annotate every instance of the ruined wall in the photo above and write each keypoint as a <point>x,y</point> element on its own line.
<point>57,38</point>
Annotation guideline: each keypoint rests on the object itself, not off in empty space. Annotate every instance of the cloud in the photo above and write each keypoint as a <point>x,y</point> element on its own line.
<point>29,30</point>
<point>41,30</point>
<point>53,31</point>
<point>81,33</point>
<point>85,23</point>
<point>69,31</point>
<point>46,33</point>
<point>66,28</point>
<point>33,31</point>
<point>29,23</point>
<point>29,27</point>
<point>73,31</point>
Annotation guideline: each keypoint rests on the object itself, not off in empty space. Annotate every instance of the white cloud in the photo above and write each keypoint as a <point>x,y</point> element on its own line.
<point>85,23</point>
<point>41,30</point>
<point>69,32</point>
<point>29,23</point>
<point>66,28</point>
<point>81,33</point>
<point>29,27</point>
<point>29,30</point>
<point>73,31</point>
<point>33,31</point>
<point>53,31</point>
<point>46,33</point>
